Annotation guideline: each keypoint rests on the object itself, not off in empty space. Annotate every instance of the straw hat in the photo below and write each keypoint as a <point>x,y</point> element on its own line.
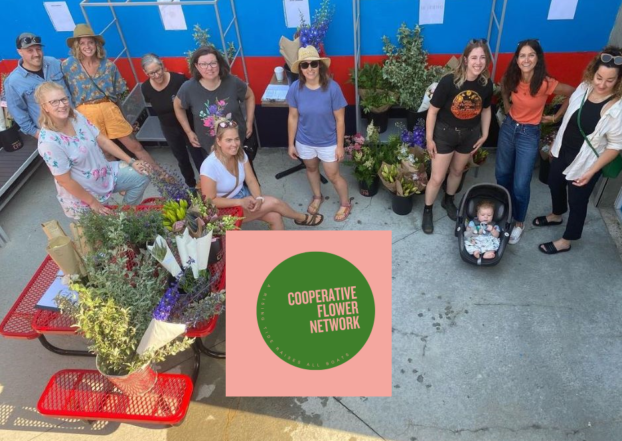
<point>309,53</point>
<point>84,30</point>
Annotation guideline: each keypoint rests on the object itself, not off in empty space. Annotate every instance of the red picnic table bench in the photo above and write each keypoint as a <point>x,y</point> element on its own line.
<point>88,394</point>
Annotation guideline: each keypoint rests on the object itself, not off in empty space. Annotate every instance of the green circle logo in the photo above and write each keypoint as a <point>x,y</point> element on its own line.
<point>315,311</point>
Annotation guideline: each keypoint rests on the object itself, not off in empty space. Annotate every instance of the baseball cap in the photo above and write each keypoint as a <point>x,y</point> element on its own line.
<point>27,39</point>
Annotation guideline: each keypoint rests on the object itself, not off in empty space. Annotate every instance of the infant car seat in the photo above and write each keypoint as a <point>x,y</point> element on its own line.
<point>467,211</point>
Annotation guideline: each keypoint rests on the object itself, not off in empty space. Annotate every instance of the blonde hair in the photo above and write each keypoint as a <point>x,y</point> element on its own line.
<point>459,72</point>
<point>100,52</point>
<point>45,121</point>
<point>220,131</point>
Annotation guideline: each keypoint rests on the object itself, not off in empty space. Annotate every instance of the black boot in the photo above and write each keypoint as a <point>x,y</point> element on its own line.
<point>448,204</point>
<point>427,221</point>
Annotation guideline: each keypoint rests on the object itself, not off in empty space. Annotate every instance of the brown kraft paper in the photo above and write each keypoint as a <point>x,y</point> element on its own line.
<point>61,250</point>
<point>52,229</point>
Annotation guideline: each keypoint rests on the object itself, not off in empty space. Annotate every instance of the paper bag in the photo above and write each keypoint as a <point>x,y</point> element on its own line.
<point>289,50</point>
<point>61,250</point>
<point>52,229</point>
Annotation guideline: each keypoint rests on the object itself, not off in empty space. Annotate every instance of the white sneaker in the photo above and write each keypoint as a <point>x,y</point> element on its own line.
<point>517,232</point>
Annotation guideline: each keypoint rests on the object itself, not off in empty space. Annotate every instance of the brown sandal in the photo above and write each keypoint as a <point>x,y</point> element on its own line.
<point>310,220</point>
<point>310,209</point>
<point>340,217</point>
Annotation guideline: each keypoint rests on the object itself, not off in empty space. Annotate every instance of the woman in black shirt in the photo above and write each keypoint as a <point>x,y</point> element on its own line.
<point>160,90</point>
<point>457,125</point>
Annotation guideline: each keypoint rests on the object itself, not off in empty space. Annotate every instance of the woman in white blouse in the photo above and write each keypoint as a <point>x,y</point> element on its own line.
<point>589,138</point>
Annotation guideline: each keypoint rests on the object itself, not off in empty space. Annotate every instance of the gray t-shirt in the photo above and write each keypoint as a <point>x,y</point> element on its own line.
<point>204,105</point>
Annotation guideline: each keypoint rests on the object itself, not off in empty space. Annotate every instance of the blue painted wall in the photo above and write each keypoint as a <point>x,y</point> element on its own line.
<point>262,23</point>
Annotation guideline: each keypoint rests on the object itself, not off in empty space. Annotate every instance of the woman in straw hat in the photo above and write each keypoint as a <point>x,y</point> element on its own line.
<point>72,149</point>
<point>316,127</point>
<point>95,83</point>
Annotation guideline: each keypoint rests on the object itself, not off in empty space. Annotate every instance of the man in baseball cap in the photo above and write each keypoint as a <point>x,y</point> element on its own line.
<point>32,70</point>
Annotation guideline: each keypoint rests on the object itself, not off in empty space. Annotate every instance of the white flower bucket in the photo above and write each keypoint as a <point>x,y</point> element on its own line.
<point>138,382</point>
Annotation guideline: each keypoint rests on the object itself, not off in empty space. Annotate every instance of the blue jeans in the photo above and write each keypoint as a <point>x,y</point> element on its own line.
<point>132,182</point>
<point>517,151</point>
<point>242,193</point>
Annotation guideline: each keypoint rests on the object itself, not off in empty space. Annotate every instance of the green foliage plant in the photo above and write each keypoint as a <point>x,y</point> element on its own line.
<point>406,67</point>
<point>115,308</point>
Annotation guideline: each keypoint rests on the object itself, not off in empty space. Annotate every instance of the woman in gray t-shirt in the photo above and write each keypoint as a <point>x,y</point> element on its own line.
<point>213,93</point>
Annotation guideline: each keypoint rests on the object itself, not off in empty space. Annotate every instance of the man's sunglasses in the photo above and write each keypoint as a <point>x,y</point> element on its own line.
<point>313,64</point>
<point>225,124</point>
<point>606,58</point>
<point>24,41</point>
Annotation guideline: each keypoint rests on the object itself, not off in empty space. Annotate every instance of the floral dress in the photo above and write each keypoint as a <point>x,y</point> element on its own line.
<point>83,158</point>
<point>81,86</point>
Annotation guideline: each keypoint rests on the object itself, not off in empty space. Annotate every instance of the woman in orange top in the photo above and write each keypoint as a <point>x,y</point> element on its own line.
<point>525,88</point>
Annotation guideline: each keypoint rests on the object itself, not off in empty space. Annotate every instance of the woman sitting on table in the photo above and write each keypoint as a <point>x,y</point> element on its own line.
<point>227,169</point>
<point>160,90</point>
<point>94,82</point>
<point>72,149</point>
<point>213,93</point>
<point>589,138</point>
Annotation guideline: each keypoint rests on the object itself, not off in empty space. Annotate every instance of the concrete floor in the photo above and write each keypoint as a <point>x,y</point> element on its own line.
<point>528,350</point>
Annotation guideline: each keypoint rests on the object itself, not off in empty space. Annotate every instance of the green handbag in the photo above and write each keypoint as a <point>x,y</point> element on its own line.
<point>611,170</point>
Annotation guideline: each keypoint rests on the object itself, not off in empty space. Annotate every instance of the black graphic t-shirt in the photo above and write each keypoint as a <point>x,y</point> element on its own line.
<point>461,107</point>
<point>162,101</point>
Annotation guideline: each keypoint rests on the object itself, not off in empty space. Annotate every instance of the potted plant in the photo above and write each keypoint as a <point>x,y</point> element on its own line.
<point>376,105</point>
<point>114,308</point>
<point>407,70</point>
<point>363,155</point>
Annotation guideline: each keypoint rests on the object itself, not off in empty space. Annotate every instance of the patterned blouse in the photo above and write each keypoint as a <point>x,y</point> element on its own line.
<point>82,88</point>
<point>83,158</point>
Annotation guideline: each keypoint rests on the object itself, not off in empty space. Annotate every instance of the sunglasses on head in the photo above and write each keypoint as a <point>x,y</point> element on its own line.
<point>606,58</point>
<point>306,64</point>
<point>29,40</point>
<point>479,40</point>
<point>528,41</point>
<point>225,124</point>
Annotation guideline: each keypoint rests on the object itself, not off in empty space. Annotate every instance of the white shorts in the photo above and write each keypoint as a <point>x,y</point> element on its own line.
<point>326,154</point>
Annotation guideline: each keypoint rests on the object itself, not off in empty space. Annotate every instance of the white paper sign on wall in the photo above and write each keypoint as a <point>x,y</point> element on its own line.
<point>60,16</point>
<point>562,9</point>
<point>431,11</point>
<point>172,16</point>
<point>293,9</point>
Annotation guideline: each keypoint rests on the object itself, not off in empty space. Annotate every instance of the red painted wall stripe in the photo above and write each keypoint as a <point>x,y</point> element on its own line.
<point>566,67</point>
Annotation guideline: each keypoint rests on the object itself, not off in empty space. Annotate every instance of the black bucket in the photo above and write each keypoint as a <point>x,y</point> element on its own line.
<point>291,76</point>
<point>369,190</point>
<point>402,205</point>
<point>216,251</point>
<point>413,117</point>
<point>380,120</point>
<point>10,139</point>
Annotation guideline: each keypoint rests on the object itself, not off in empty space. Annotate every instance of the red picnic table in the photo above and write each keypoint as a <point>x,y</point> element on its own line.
<point>88,394</point>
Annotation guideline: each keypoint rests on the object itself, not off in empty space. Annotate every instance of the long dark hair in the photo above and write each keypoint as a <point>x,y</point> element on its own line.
<point>223,66</point>
<point>590,70</point>
<point>324,77</point>
<point>512,75</point>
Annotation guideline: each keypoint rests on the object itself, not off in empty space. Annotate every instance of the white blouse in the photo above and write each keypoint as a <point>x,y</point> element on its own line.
<point>606,135</point>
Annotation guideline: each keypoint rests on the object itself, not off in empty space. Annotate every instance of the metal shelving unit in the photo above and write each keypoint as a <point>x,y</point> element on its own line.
<point>84,4</point>
<point>496,22</point>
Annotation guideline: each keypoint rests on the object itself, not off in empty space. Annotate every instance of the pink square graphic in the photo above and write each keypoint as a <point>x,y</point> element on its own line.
<point>253,370</point>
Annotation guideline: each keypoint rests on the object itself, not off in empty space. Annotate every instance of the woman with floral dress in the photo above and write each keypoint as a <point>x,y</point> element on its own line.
<point>94,83</point>
<point>72,149</point>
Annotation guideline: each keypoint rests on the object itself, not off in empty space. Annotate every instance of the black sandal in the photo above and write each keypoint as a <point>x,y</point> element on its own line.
<point>310,220</point>
<point>549,248</point>
<point>542,221</point>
